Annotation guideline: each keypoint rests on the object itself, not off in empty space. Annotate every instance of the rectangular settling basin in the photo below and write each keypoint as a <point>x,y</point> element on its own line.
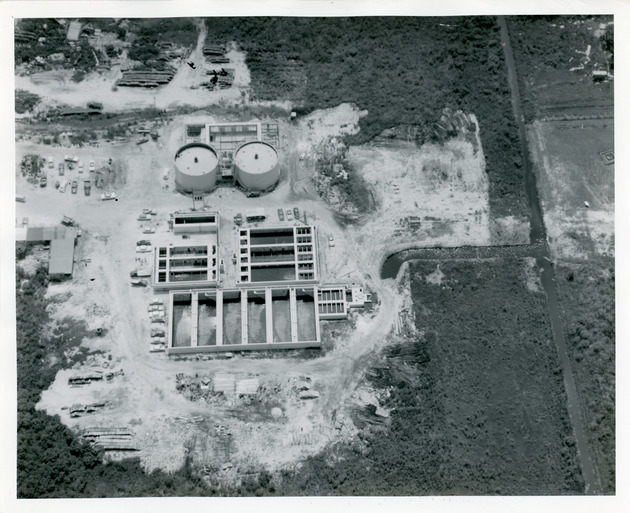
<point>256,318</point>
<point>273,273</point>
<point>207,321</point>
<point>281,310</point>
<point>307,330</point>
<point>182,320</point>
<point>231,318</point>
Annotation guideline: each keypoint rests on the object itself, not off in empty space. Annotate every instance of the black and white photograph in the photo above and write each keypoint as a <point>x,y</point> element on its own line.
<point>304,254</point>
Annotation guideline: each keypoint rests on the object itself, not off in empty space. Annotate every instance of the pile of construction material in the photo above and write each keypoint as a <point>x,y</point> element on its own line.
<point>215,53</point>
<point>98,375</point>
<point>151,78</point>
<point>85,379</point>
<point>77,410</point>
<point>111,438</point>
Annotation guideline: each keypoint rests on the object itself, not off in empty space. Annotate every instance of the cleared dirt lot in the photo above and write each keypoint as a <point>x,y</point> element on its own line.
<point>571,171</point>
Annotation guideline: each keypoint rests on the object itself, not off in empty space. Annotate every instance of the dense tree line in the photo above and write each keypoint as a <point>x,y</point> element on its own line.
<point>151,32</point>
<point>404,71</point>
<point>588,298</point>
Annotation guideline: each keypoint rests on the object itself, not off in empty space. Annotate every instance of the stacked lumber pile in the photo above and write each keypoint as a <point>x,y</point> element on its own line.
<point>111,439</point>
<point>215,54</point>
<point>152,78</point>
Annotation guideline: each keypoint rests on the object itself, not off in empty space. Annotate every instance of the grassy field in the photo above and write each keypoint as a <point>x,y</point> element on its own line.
<point>572,170</point>
<point>477,402</point>
<point>587,293</point>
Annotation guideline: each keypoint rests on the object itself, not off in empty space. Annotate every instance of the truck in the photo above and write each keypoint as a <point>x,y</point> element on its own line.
<point>70,158</point>
<point>87,187</point>
<point>68,221</point>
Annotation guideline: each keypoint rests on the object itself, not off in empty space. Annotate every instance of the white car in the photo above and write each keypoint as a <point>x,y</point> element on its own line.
<point>80,167</point>
<point>51,162</point>
<point>108,196</point>
<point>331,241</point>
<point>289,215</point>
<point>92,165</point>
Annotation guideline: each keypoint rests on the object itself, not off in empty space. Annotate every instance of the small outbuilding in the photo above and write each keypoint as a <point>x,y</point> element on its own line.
<point>61,258</point>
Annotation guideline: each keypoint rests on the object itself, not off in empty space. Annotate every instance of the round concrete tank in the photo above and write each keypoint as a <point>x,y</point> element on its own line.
<point>256,165</point>
<point>196,168</point>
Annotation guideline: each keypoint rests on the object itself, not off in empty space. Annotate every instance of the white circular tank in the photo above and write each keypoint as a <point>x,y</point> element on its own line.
<point>196,168</point>
<point>256,166</point>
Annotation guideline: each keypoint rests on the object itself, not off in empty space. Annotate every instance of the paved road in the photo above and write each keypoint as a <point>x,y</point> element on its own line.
<point>538,249</point>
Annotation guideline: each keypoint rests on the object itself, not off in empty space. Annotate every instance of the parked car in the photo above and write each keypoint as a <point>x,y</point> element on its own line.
<point>57,184</point>
<point>21,199</point>
<point>143,243</point>
<point>62,169</point>
<point>289,215</point>
<point>75,186</point>
<point>331,241</point>
<point>43,180</point>
<point>281,214</point>
<point>51,162</point>
<point>296,213</point>
<point>108,196</point>
<point>92,166</point>
<point>238,219</point>
<point>80,167</point>
<point>253,194</point>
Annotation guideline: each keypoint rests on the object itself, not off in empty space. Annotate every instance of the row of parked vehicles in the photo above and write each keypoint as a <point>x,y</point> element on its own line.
<point>290,215</point>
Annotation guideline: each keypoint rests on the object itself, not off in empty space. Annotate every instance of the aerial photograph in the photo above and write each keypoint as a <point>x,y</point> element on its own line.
<point>268,256</point>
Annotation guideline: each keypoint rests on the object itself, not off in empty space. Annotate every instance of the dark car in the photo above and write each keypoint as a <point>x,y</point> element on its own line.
<point>280,214</point>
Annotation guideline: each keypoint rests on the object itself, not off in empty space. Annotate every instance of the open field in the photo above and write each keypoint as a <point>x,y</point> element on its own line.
<point>571,172</point>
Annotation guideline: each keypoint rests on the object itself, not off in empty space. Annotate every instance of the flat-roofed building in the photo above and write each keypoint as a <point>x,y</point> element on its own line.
<point>277,254</point>
<point>61,259</point>
<point>185,266</point>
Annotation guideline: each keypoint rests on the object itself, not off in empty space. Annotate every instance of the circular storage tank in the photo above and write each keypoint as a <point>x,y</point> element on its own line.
<point>196,168</point>
<point>256,166</point>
